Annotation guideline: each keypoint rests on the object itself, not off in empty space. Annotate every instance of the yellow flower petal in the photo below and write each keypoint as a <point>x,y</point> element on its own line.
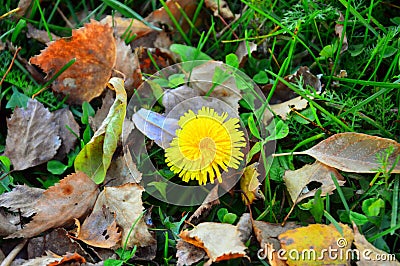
<point>205,143</point>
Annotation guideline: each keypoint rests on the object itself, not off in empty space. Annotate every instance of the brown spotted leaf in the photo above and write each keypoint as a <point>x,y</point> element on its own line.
<point>126,202</point>
<point>355,152</point>
<point>94,48</point>
<point>296,181</point>
<point>220,241</point>
<point>60,204</point>
<point>32,137</point>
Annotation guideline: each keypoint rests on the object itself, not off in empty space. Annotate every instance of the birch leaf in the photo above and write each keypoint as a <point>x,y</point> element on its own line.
<point>32,136</point>
<point>355,152</point>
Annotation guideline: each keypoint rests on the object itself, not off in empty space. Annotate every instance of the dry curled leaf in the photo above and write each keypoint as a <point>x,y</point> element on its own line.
<point>296,181</point>
<point>32,136</point>
<point>94,49</point>
<point>126,202</point>
<point>355,152</point>
<point>39,35</point>
<point>60,204</point>
<point>99,229</point>
<point>220,241</point>
<point>101,114</point>
<point>250,185</point>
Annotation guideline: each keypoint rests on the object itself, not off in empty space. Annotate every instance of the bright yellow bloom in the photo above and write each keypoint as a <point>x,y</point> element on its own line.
<point>204,143</point>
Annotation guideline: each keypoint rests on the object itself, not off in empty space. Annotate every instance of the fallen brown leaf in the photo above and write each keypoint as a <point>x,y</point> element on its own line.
<point>32,136</point>
<point>39,35</point>
<point>66,122</point>
<point>126,27</point>
<point>21,199</point>
<point>69,259</point>
<point>99,229</point>
<point>60,204</point>
<point>57,242</point>
<point>339,32</point>
<point>355,152</point>
<point>94,48</point>
<point>296,181</point>
<point>245,227</point>
<point>188,254</point>
<point>283,109</point>
<point>126,202</point>
<point>176,7</point>
<point>205,208</point>
<point>242,52</point>
<point>6,226</point>
<point>101,114</point>
<point>219,240</point>
<point>220,7</point>
<point>127,63</point>
<point>267,233</point>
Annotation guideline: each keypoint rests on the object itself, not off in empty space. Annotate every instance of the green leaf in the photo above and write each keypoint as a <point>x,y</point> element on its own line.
<point>87,110</point>
<point>95,157</point>
<point>358,218</point>
<point>17,99</point>
<point>280,131</point>
<point>253,151</point>
<point>372,207</point>
<point>113,262</point>
<point>176,80</point>
<point>6,163</point>
<point>161,187</point>
<point>17,30</point>
<point>253,127</point>
<point>56,167</point>
<point>221,214</point>
<point>261,78</point>
<point>188,53</point>
<point>232,60</point>
<point>317,209</point>
<point>229,218</point>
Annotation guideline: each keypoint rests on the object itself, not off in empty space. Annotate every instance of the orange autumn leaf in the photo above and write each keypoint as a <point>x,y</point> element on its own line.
<point>69,259</point>
<point>94,49</point>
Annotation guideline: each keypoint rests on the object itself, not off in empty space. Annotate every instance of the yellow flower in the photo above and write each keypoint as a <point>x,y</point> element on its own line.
<point>204,143</point>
